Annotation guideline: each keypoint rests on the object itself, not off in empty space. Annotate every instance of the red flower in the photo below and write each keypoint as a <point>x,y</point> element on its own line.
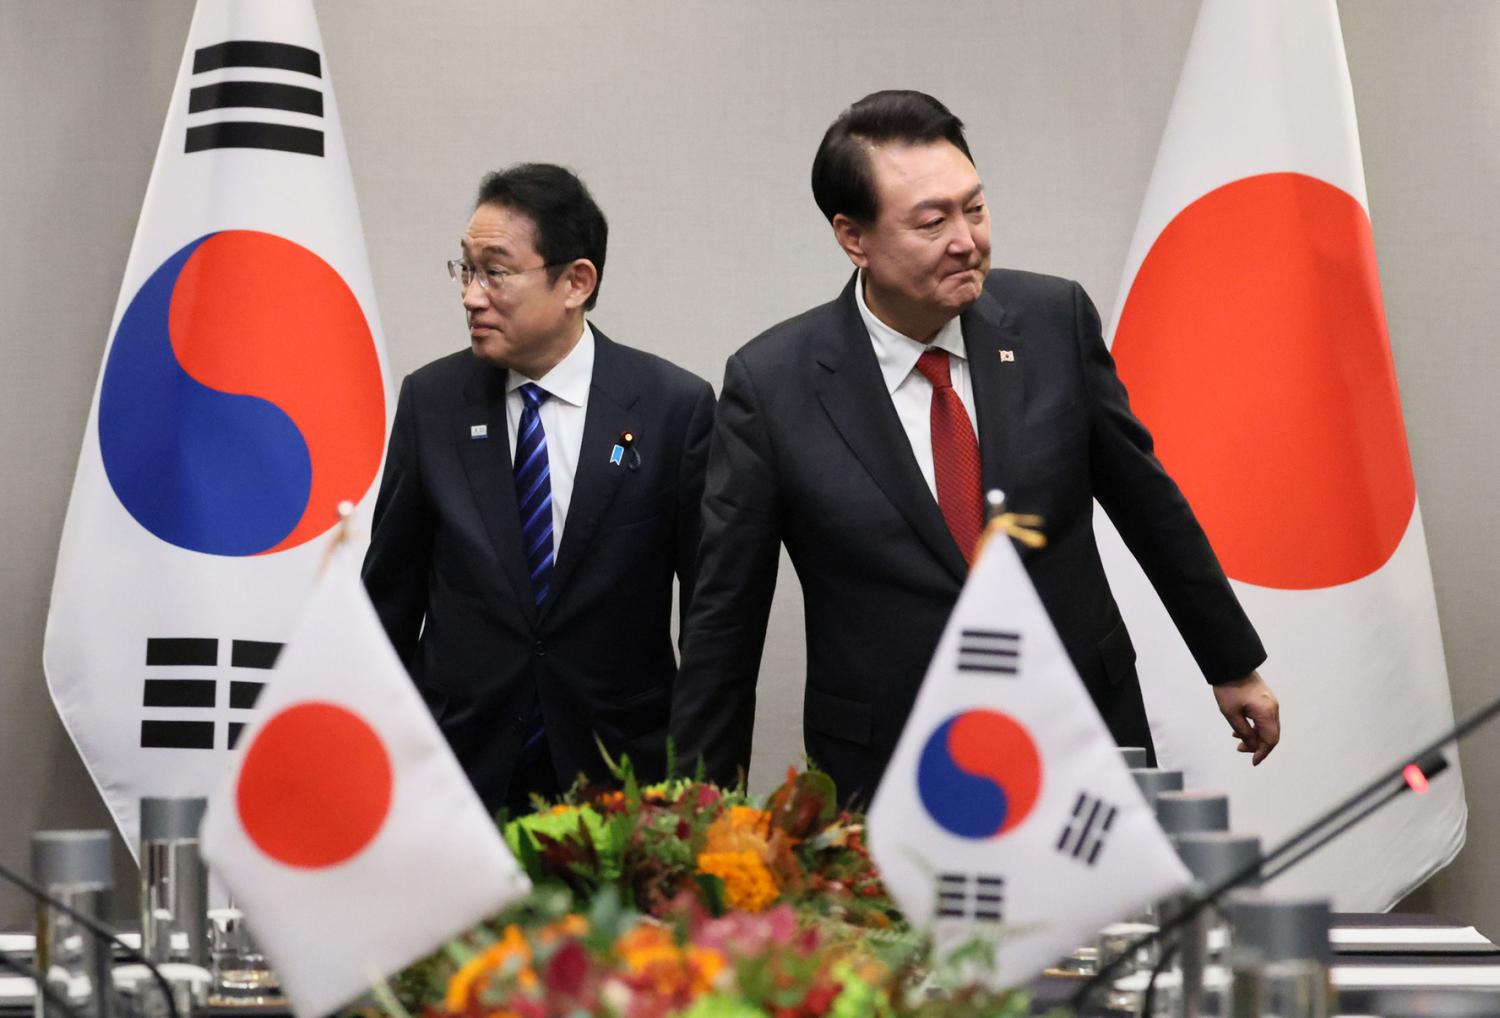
<point>567,970</point>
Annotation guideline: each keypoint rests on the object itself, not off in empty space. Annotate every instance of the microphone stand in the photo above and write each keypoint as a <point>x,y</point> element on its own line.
<point>1428,757</point>
<point>99,930</point>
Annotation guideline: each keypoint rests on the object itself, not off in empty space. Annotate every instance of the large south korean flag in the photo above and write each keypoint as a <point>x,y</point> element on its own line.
<point>1253,342</point>
<point>243,395</point>
<point>1007,813</point>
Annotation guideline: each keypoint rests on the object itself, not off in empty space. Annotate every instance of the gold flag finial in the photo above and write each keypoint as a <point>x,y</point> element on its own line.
<point>1024,527</point>
<point>341,536</point>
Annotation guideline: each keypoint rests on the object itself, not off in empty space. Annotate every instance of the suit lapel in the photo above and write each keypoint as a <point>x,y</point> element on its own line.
<point>488,465</point>
<point>999,393</point>
<point>613,392</point>
<point>854,395</point>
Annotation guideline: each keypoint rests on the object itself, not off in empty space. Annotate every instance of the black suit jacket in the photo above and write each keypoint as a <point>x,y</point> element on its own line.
<point>808,451</point>
<point>448,576</point>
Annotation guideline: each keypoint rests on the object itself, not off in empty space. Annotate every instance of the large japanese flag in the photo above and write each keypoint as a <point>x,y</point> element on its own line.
<point>344,826</point>
<point>243,395</point>
<point>1253,342</point>
<point>1007,812</point>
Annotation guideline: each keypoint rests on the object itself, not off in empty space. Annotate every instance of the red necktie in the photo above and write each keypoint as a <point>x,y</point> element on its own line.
<point>955,456</point>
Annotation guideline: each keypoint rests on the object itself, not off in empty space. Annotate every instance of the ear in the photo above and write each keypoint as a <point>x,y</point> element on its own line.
<point>851,237</point>
<point>580,277</point>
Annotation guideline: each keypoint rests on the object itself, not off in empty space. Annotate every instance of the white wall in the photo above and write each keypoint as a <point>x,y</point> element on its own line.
<point>695,123</point>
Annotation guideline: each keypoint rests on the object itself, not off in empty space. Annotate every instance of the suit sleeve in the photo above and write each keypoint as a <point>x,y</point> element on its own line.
<point>690,476</point>
<point>1156,522</point>
<point>398,562</point>
<point>713,701</point>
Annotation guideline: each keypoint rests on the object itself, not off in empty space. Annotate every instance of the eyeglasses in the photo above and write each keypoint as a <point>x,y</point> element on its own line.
<point>491,279</point>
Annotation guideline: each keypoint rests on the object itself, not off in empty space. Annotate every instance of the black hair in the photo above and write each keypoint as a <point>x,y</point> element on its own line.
<point>841,177</point>
<point>568,223</point>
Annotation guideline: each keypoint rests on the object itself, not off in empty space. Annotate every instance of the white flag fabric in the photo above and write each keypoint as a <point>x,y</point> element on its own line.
<point>345,827</point>
<point>243,395</point>
<point>1252,339</point>
<point>1007,810</point>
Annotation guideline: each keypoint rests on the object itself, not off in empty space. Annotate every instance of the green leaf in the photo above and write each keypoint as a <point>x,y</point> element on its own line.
<point>712,888</point>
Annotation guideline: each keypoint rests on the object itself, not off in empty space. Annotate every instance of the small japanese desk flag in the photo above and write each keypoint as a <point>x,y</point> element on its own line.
<point>345,827</point>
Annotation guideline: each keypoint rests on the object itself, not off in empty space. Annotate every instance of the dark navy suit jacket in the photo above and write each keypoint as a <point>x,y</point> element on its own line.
<point>808,452</point>
<point>448,576</point>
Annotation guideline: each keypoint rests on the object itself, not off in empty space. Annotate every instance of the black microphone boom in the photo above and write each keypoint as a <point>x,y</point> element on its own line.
<point>1429,761</point>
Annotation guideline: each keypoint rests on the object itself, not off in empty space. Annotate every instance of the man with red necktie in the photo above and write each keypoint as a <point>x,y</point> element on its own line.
<point>862,435</point>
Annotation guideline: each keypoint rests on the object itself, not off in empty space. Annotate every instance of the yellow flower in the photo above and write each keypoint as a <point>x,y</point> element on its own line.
<point>706,964</point>
<point>748,885</point>
<point>469,978</point>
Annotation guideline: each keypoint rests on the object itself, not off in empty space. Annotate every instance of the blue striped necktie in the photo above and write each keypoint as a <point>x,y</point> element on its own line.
<point>534,490</point>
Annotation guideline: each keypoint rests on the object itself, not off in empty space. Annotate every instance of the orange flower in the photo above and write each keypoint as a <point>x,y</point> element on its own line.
<point>570,925</point>
<point>468,979</point>
<point>748,885</point>
<point>739,829</point>
<point>706,964</point>
<point>651,955</point>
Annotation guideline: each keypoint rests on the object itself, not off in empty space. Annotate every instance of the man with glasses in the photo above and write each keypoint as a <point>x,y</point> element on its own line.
<point>540,493</point>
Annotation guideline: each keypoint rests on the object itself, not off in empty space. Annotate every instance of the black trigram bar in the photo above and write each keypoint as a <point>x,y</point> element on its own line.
<point>164,651</point>
<point>254,654</point>
<point>263,94</point>
<point>245,134</point>
<point>177,735</point>
<point>242,695</point>
<point>1083,835</point>
<point>981,897</point>
<point>994,651</point>
<point>952,895</point>
<point>235,728</point>
<point>178,693</point>
<point>243,53</point>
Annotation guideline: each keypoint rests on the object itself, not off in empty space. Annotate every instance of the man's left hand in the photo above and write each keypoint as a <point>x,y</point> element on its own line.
<point>1254,713</point>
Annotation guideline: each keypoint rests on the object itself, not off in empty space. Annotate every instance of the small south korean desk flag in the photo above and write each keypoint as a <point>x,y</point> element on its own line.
<point>345,828</point>
<point>1007,812</point>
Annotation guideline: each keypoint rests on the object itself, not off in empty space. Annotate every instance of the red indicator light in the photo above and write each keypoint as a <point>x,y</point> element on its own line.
<point>1415,779</point>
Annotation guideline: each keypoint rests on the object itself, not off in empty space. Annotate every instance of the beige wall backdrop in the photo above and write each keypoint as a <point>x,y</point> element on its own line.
<point>695,124</point>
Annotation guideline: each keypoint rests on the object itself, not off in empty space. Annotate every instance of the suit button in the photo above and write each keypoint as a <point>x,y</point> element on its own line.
<point>540,650</point>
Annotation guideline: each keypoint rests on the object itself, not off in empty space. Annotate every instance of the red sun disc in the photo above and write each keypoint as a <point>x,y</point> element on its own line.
<point>315,786</point>
<point>1254,346</point>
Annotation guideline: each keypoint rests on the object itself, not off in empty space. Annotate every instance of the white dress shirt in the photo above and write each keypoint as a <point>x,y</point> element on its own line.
<point>910,390</point>
<point>562,421</point>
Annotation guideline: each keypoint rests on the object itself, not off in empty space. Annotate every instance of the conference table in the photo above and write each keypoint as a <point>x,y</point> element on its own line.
<point>1428,959</point>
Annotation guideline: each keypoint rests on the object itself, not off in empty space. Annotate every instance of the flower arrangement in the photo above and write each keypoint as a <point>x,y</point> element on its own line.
<point>687,899</point>
<point>656,843</point>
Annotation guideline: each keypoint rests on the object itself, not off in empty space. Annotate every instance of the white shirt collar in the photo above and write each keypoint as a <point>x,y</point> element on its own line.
<point>896,353</point>
<point>570,377</point>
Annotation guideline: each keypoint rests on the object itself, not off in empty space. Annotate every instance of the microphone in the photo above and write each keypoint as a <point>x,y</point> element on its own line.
<point>1411,774</point>
<point>98,929</point>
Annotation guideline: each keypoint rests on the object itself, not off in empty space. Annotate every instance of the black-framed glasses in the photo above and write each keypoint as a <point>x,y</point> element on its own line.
<point>491,278</point>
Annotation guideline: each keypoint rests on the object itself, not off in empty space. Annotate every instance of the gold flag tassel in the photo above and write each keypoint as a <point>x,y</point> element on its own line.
<point>1023,527</point>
